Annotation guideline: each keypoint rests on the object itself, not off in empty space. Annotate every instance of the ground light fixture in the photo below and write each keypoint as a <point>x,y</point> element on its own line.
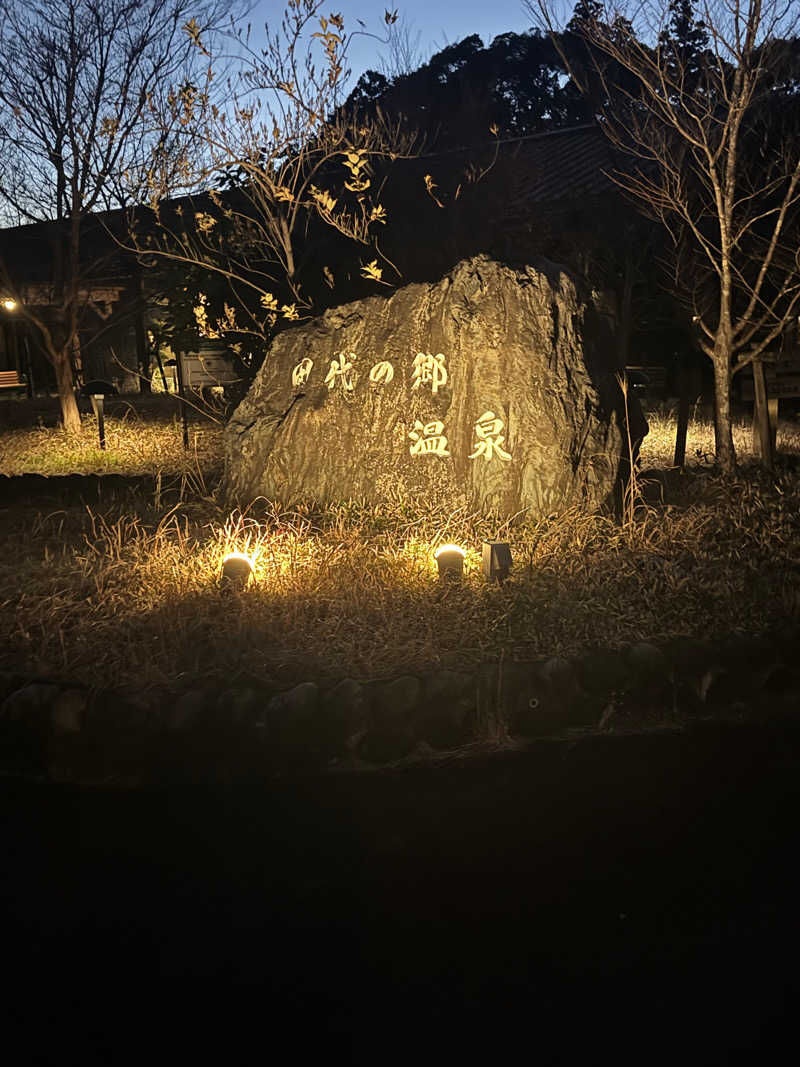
<point>450,561</point>
<point>9,304</point>
<point>237,570</point>
<point>97,391</point>
<point>496,561</point>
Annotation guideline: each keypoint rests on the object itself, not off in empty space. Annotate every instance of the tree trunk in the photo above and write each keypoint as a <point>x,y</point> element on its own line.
<point>723,432</point>
<point>66,393</point>
<point>679,459</point>
<point>142,350</point>
<point>60,339</point>
<point>625,312</point>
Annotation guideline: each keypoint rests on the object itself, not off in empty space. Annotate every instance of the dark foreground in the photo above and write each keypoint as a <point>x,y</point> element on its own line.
<point>616,900</point>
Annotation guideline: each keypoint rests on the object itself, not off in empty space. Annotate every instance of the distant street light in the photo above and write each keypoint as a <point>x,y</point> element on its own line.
<point>9,304</point>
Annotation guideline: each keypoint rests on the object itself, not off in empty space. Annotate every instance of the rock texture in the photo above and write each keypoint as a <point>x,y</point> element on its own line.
<point>494,388</point>
<point>66,732</point>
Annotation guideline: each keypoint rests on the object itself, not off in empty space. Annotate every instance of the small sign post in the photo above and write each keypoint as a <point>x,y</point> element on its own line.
<point>764,431</point>
<point>774,378</point>
<point>197,371</point>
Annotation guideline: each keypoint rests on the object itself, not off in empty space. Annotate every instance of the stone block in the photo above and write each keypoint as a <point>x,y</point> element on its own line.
<point>343,713</point>
<point>494,387</point>
<point>447,716</point>
<point>67,711</point>
<point>290,720</point>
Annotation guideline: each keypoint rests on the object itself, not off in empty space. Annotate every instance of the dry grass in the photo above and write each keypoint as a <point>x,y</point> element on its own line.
<point>101,593</point>
<point>134,445</point>
<point>658,448</point>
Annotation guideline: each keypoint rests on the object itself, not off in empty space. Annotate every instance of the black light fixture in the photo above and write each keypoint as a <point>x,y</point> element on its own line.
<point>237,570</point>
<point>496,562</point>
<point>97,391</point>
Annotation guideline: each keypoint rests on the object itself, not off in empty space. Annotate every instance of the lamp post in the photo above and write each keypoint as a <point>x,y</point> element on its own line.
<point>97,391</point>
<point>9,306</point>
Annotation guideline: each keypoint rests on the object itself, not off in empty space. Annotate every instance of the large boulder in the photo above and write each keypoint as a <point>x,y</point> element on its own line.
<point>495,388</point>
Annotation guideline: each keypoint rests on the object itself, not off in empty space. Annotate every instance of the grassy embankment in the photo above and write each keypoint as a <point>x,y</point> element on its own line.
<point>125,589</point>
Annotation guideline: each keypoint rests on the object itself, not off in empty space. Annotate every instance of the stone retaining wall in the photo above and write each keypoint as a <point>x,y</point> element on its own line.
<point>55,729</point>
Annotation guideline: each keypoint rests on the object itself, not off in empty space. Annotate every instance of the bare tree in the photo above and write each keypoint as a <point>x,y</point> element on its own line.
<point>280,155</point>
<point>403,53</point>
<point>80,82</point>
<point>691,93</point>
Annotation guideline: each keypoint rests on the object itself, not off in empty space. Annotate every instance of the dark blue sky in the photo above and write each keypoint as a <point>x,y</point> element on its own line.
<point>439,22</point>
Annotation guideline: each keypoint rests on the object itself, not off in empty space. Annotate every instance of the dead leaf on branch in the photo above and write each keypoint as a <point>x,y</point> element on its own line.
<point>430,186</point>
<point>109,127</point>
<point>372,271</point>
<point>204,222</point>
<point>193,30</point>
<point>324,201</point>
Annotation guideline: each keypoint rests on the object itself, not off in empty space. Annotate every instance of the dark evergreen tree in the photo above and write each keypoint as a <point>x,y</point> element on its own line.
<point>468,93</point>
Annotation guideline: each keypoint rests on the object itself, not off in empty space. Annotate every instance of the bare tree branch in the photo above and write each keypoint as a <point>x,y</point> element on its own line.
<point>684,90</point>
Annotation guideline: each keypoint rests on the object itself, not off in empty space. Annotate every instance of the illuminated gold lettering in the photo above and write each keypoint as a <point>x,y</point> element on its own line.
<point>429,370</point>
<point>490,439</point>
<point>428,439</point>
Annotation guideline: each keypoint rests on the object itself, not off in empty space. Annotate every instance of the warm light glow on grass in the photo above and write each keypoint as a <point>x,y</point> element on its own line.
<point>130,585</point>
<point>134,446</point>
<point>239,555</point>
<point>658,447</point>
<point>240,544</point>
<point>449,548</point>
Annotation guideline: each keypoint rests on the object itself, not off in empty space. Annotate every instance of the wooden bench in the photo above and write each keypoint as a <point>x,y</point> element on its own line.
<point>10,379</point>
<point>782,378</point>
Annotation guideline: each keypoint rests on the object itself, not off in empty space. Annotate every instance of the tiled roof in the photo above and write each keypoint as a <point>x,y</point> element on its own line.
<point>29,256</point>
<point>566,164</point>
<point>560,165</point>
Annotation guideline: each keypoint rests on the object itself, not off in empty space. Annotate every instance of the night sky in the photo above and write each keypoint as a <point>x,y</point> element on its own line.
<point>440,22</point>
